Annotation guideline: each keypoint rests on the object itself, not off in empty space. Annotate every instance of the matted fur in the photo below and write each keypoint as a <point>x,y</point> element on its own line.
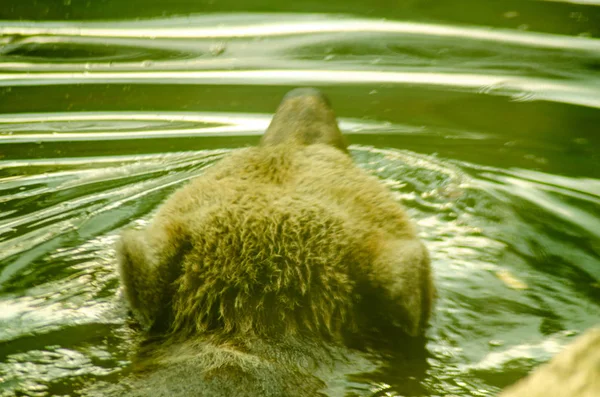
<point>273,239</point>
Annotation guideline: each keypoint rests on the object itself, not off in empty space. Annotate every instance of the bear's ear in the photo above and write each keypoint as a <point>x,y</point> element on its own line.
<point>401,275</point>
<point>139,278</point>
<point>304,117</point>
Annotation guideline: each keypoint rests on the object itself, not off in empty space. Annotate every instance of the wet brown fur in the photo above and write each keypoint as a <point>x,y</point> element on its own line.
<point>284,242</point>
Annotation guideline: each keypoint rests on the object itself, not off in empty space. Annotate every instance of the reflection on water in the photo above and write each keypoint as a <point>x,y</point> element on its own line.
<point>487,136</point>
<point>248,25</point>
<point>521,89</point>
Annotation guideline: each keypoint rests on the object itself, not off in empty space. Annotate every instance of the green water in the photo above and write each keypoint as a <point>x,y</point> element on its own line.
<point>483,118</point>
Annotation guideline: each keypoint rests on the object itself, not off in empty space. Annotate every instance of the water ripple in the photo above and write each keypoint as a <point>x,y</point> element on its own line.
<point>504,208</point>
<point>578,93</point>
<point>227,27</point>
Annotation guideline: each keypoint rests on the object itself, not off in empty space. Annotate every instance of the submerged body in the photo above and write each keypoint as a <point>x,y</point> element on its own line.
<point>255,273</point>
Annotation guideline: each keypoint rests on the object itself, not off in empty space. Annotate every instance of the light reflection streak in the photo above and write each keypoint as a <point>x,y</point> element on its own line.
<point>294,27</point>
<point>237,130</point>
<point>237,124</point>
<point>583,2</point>
<point>547,348</point>
<point>230,124</point>
<point>584,93</point>
<point>542,197</point>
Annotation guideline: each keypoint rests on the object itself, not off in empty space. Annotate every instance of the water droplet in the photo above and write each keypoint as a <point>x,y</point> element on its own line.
<point>329,57</point>
<point>217,48</point>
<point>536,159</point>
<point>147,63</point>
<point>578,16</point>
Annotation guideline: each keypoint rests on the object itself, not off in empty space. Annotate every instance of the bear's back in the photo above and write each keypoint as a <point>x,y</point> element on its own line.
<point>313,174</point>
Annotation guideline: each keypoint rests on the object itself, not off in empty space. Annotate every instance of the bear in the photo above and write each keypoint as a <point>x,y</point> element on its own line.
<point>259,270</point>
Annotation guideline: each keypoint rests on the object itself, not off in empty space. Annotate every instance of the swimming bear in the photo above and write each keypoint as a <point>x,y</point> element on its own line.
<point>249,277</point>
